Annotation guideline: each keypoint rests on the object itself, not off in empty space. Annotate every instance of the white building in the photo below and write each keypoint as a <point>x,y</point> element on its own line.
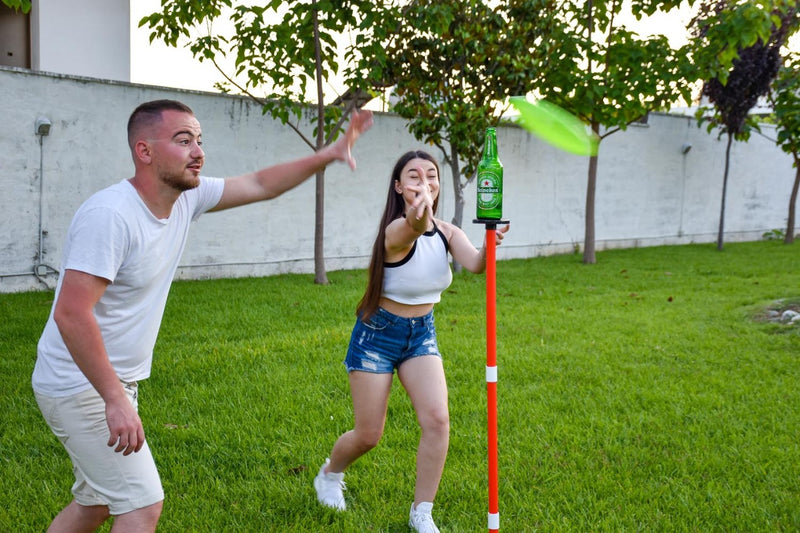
<point>76,37</point>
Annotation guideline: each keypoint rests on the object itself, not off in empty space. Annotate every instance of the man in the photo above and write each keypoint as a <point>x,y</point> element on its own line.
<point>119,258</point>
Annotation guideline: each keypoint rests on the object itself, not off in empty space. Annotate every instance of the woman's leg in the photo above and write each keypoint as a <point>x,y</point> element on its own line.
<point>370,394</point>
<point>423,378</point>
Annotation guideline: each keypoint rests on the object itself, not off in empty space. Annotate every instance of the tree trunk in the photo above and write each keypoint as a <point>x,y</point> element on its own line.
<point>721,232</point>
<point>320,275</point>
<point>458,196</point>
<point>588,238</point>
<point>591,181</point>
<point>789,237</point>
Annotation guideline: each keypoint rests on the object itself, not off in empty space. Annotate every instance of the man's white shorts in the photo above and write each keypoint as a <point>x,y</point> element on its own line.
<point>102,476</point>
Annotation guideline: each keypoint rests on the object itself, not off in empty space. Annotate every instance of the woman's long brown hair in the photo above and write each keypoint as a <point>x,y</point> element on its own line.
<point>393,210</point>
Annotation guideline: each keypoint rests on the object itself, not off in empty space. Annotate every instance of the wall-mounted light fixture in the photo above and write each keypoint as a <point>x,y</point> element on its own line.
<point>43,126</point>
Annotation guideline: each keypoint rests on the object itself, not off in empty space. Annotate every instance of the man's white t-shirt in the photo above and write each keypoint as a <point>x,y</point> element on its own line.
<point>115,236</point>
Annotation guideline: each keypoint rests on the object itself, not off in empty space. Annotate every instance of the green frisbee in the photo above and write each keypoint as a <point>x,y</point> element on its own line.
<point>555,126</point>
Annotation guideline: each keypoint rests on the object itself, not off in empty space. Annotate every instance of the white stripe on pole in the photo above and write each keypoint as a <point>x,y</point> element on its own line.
<point>494,521</point>
<point>491,374</point>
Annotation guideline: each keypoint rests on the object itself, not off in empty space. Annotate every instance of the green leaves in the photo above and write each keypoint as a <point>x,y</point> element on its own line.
<point>724,28</point>
<point>786,105</point>
<point>609,75</point>
<point>453,63</point>
<point>19,5</point>
<point>177,17</point>
<point>272,45</point>
<point>738,50</point>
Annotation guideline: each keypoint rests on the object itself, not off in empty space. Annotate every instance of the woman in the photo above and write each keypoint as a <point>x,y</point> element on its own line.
<point>408,272</point>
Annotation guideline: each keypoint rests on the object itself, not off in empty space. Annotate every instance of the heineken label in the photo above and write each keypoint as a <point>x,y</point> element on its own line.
<point>489,191</point>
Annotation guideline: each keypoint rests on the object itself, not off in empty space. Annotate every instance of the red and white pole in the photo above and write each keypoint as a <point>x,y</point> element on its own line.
<point>491,368</point>
<point>491,374</point>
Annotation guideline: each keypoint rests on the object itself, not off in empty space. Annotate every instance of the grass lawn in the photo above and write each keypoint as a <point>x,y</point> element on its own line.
<point>643,393</point>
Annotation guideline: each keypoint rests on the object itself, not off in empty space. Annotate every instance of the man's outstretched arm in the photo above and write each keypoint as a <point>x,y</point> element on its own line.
<point>271,182</point>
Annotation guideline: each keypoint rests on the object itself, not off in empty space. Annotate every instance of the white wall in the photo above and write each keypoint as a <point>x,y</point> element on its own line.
<point>82,37</point>
<point>648,192</point>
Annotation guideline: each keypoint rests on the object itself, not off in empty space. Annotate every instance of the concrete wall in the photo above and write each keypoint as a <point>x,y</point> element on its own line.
<point>648,191</point>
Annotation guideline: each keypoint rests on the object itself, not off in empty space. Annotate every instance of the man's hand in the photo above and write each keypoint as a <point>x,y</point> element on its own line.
<point>124,426</point>
<point>74,317</point>
<point>360,121</point>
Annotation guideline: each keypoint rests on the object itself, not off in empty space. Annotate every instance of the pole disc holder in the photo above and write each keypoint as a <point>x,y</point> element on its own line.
<point>491,365</point>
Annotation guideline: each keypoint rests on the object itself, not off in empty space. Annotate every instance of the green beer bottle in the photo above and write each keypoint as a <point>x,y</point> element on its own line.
<point>490,180</point>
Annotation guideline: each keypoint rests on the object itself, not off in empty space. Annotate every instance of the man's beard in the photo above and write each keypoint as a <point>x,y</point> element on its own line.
<point>179,182</point>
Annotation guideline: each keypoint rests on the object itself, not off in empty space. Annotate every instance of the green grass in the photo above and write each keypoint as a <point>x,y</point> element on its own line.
<point>637,394</point>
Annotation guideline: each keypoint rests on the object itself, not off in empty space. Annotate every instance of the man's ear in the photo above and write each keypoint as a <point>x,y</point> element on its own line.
<point>142,152</point>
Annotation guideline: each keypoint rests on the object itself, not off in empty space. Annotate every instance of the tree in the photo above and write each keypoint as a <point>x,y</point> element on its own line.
<point>19,5</point>
<point>451,64</point>
<point>610,77</point>
<point>285,49</point>
<point>786,104</point>
<point>739,46</point>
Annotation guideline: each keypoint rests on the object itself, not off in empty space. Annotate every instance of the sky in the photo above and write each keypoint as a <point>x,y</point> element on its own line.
<point>158,64</point>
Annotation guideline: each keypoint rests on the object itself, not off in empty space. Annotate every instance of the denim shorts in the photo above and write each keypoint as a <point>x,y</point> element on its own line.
<point>383,342</point>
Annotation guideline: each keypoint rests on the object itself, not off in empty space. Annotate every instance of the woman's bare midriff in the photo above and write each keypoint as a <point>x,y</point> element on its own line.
<point>405,310</point>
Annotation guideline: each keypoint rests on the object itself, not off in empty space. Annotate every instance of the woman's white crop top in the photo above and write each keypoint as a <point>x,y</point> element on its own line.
<point>422,275</point>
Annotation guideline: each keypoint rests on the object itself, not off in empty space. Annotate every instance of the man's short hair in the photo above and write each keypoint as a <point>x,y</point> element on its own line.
<point>149,113</point>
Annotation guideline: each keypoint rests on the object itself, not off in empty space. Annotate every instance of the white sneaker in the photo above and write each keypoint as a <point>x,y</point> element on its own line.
<point>329,488</point>
<point>420,519</point>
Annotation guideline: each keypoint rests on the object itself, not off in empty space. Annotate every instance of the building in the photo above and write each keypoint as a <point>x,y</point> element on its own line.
<point>76,37</point>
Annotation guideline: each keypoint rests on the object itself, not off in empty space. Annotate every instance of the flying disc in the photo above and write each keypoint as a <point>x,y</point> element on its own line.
<point>555,126</point>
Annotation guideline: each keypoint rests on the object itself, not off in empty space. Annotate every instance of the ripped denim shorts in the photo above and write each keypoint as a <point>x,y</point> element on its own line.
<point>383,342</point>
